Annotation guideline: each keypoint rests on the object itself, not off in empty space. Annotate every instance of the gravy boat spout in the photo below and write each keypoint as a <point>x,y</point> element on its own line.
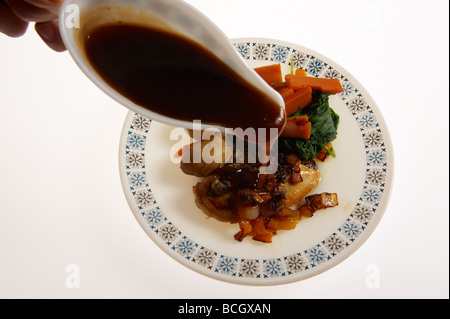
<point>77,17</point>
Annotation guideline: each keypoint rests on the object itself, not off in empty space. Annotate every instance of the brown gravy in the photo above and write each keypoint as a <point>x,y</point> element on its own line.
<point>174,76</point>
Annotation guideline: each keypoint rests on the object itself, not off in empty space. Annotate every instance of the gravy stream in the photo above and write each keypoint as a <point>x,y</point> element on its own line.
<point>176,77</point>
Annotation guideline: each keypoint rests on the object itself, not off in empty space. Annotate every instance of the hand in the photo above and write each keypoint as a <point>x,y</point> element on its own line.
<point>15,15</point>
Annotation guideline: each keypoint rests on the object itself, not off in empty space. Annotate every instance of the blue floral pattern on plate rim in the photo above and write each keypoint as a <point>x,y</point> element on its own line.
<point>334,248</point>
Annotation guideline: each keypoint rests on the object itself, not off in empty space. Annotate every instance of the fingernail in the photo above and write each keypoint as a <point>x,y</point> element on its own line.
<point>49,33</point>
<point>46,31</point>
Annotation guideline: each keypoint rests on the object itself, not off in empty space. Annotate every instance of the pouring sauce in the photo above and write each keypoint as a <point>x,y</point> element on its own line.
<point>176,77</point>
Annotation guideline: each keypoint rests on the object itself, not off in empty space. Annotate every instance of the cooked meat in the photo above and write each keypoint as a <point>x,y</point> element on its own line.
<point>212,204</point>
<point>236,191</point>
<point>296,192</point>
<point>262,204</point>
<point>218,156</point>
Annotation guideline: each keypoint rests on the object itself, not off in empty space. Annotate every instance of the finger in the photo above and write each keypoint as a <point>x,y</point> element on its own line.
<point>10,24</point>
<point>29,12</point>
<point>46,4</point>
<point>49,33</point>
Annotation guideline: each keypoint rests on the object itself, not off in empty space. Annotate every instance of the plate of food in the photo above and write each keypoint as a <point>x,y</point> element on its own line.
<point>228,221</point>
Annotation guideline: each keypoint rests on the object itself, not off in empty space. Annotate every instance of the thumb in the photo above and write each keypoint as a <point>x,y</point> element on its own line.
<point>10,24</point>
<point>46,4</point>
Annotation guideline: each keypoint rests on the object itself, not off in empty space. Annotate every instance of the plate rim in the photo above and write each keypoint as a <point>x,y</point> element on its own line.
<point>390,157</point>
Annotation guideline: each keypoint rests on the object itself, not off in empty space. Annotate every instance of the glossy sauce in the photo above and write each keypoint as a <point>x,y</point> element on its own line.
<point>240,176</point>
<point>176,77</point>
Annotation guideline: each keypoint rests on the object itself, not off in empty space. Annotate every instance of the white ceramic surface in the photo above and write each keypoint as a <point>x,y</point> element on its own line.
<point>160,195</point>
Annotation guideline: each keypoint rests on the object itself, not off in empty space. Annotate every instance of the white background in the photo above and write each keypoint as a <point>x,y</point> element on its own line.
<point>61,201</point>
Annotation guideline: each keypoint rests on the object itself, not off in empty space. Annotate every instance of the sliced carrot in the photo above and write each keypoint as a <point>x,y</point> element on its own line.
<point>301,119</point>
<point>270,73</point>
<point>331,86</point>
<point>297,130</point>
<point>279,86</point>
<point>304,130</point>
<point>297,127</point>
<point>300,72</point>
<point>287,76</point>
<point>300,99</point>
<point>285,92</point>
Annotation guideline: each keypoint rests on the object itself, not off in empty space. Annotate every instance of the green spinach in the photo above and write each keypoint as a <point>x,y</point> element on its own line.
<point>324,126</point>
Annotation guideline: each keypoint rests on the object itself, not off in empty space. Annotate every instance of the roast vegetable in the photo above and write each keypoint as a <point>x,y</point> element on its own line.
<point>300,72</point>
<point>331,86</point>
<point>305,96</point>
<point>327,151</point>
<point>324,125</point>
<point>285,92</point>
<point>271,73</point>
<point>298,100</point>
<point>297,127</point>
<point>317,202</point>
<point>263,204</point>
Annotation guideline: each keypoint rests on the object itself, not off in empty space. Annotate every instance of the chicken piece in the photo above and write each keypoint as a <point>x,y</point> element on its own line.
<point>215,200</point>
<point>214,196</point>
<point>296,192</point>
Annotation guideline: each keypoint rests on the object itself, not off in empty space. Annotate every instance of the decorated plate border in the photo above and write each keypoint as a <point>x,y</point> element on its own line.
<point>333,249</point>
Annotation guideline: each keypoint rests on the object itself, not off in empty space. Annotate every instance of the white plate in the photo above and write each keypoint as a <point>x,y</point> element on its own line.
<point>161,198</point>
